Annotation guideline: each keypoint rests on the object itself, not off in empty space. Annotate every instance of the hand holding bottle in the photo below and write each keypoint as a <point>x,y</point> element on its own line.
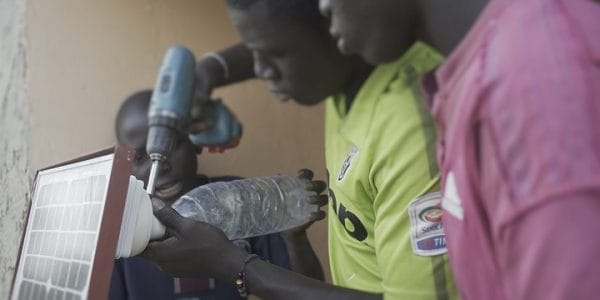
<point>303,258</point>
<point>194,249</point>
<point>319,199</point>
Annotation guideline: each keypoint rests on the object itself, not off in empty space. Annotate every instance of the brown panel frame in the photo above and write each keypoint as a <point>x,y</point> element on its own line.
<point>110,225</point>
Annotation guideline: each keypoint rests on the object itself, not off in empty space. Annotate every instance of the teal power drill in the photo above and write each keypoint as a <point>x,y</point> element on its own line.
<point>169,113</point>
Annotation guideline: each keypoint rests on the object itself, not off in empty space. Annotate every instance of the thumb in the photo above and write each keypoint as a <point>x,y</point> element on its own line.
<point>171,219</point>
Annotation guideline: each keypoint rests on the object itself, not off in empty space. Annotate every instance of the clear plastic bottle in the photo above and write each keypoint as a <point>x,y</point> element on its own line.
<point>249,207</point>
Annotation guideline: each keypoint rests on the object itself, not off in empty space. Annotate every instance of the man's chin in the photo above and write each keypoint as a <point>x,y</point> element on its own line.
<point>281,96</point>
<point>309,101</point>
<point>302,100</point>
<point>377,56</point>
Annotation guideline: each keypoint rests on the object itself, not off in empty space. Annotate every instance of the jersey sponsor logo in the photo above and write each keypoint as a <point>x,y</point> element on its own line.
<point>426,227</point>
<point>451,201</point>
<point>347,162</point>
<point>352,224</point>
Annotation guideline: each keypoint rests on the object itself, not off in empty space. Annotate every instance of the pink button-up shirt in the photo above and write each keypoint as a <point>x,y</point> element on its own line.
<point>518,105</point>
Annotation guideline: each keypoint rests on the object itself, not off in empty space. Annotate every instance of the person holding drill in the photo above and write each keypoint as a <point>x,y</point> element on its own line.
<point>385,236</point>
<point>136,278</point>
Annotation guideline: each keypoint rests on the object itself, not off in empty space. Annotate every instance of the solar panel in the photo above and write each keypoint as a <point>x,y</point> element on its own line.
<point>72,229</point>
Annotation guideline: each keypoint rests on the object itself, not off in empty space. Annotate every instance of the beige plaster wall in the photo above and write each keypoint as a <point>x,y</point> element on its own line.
<point>14,129</point>
<point>85,57</point>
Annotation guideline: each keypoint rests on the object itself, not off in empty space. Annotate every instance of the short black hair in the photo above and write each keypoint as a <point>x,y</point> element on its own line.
<point>136,103</point>
<point>300,12</point>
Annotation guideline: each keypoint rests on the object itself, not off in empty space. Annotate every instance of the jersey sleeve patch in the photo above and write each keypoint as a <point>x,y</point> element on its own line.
<point>426,227</point>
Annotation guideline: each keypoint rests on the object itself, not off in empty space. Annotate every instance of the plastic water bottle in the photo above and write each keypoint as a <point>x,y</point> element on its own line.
<point>241,208</point>
<point>249,207</point>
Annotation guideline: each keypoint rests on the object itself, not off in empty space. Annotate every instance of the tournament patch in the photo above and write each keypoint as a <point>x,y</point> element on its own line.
<point>347,162</point>
<point>426,227</point>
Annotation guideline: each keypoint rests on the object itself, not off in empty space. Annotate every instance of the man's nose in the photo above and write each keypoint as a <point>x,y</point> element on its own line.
<point>165,167</point>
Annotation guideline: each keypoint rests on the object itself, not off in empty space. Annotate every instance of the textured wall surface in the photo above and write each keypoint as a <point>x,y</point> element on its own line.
<point>14,137</point>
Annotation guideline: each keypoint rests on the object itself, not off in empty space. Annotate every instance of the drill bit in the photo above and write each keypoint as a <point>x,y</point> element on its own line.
<point>153,176</point>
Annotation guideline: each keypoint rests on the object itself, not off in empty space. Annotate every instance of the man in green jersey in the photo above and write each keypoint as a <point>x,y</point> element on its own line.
<point>386,239</point>
<point>385,233</point>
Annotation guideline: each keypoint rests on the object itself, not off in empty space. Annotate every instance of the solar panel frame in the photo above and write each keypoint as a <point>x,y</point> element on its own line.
<point>108,234</point>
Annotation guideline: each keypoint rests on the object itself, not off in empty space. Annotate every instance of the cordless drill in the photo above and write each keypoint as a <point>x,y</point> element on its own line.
<point>169,113</point>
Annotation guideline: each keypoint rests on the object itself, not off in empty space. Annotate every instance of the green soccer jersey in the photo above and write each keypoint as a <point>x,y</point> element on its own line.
<point>385,234</point>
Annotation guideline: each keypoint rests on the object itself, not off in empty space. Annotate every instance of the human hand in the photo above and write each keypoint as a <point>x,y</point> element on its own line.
<point>194,249</point>
<point>224,130</point>
<point>208,75</point>
<point>317,186</point>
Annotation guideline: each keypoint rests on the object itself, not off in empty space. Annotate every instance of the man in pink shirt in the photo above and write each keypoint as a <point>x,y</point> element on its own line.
<point>518,107</point>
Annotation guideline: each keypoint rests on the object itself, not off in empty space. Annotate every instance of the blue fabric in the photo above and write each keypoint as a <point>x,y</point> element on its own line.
<point>136,278</point>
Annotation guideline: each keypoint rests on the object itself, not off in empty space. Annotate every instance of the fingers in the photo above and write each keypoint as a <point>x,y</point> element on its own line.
<point>201,100</point>
<point>199,119</point>
<point>199,126</point>
<point>317,186</point>
<point>301,230</point>
<point>171,219</point>
<point>305,174</point>
<point>202,91</point>
<point>196,108</point>
<point>319,200</point>
<point>317,216</point>
<point>157,204</point>
<point>160,251</point>
<point>164,255</point>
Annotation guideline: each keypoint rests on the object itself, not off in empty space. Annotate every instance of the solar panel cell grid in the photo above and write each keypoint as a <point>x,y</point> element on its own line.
<point>63,231</point>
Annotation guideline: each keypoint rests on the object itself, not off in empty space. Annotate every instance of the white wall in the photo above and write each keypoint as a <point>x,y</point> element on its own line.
<point>14,134</point>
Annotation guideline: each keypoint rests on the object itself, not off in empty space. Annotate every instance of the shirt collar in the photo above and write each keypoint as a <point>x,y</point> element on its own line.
<point>355,122</point>
<point>437,84</point>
